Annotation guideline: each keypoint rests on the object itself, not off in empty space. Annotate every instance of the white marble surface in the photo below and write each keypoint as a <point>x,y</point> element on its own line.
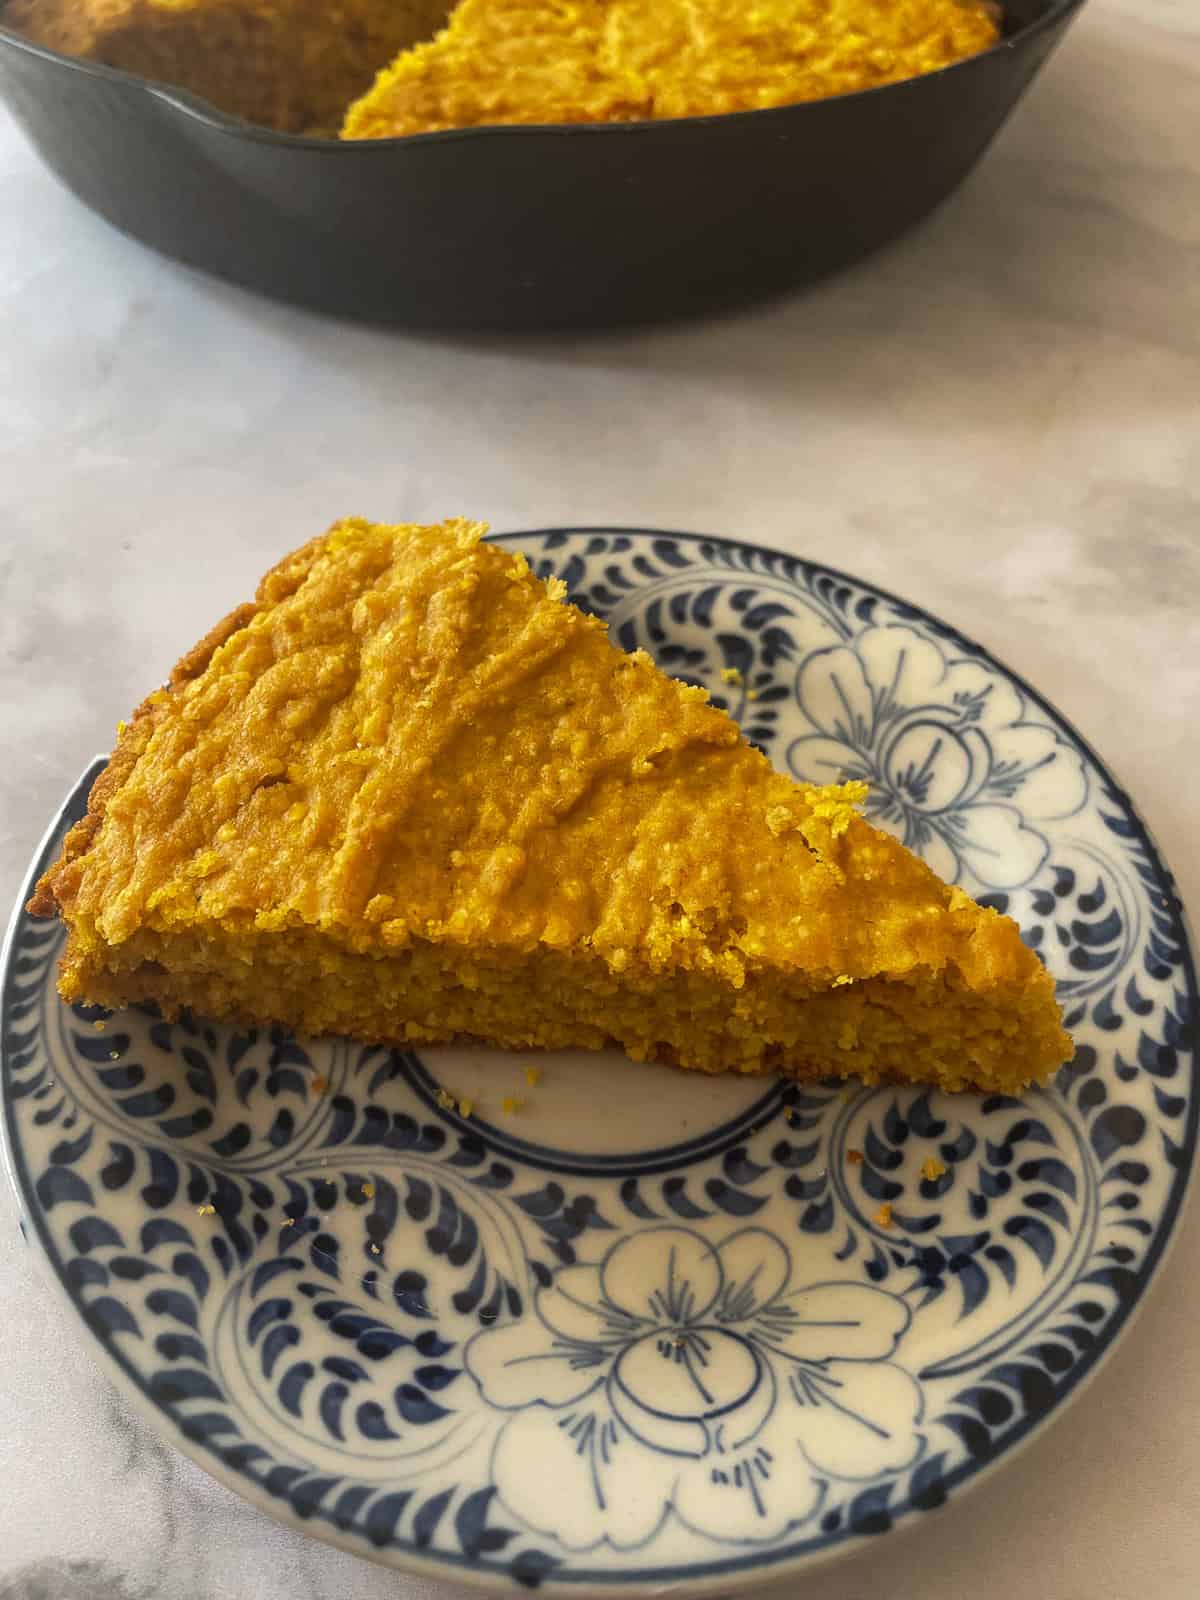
<point>1000,418</point>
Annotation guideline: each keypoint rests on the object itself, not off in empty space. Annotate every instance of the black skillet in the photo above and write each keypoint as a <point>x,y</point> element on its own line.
<point>525,227</point>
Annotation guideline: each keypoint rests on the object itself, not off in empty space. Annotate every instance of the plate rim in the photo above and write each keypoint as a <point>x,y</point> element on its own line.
<point>755,1568</point>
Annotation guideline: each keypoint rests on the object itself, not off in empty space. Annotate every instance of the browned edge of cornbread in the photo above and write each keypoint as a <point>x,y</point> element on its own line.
<point>55,888</point>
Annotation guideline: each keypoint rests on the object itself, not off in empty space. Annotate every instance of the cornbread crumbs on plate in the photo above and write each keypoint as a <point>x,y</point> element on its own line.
<point>533,1076</point>
<point>731,675</point>
<point>512,1103</point>
<point>446,1100</point>
<point>884,1215</point>
<point>855,1157</point>
<point>320,1085</point>
<point>465,1107</point>
<point>932,1169</point>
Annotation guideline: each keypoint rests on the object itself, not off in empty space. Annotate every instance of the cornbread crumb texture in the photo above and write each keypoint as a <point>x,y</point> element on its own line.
<point>411,794</point>
<point>298,67</point>
<point>534,61</point>
<point>286,64</point>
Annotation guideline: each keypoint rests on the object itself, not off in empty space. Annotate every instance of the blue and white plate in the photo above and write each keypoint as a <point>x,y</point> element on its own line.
<point>637,1328</point>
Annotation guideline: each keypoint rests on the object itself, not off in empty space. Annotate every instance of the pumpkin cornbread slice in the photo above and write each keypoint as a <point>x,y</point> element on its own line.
<point>541,61</point>
<point>410,794</point>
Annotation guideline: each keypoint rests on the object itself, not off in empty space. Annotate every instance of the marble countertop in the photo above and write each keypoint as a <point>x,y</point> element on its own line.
<point>999,418</point>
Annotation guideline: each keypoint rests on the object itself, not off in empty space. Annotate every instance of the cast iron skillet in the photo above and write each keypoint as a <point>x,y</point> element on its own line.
<point>525,227</point>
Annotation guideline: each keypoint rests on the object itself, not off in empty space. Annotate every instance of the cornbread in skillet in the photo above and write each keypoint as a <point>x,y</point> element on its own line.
<point>298,65</point>
<point>410,794</point>
<point>538,61</point>
<point>294,65</point>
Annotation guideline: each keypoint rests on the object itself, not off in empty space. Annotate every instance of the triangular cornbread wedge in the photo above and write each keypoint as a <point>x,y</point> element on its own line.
<point>411,795</point>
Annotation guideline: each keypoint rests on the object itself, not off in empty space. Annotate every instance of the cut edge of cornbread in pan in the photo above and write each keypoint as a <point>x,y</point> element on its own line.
<point>410,794</point>
<point>286,64</point>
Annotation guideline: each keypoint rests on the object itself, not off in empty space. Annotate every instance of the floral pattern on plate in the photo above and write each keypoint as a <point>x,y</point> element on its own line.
<point>492,1349</point>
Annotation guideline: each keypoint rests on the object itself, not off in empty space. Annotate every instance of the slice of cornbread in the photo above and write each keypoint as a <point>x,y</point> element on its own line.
<point>410,794</point>
<point>543,61</point>
<point>294,65</point>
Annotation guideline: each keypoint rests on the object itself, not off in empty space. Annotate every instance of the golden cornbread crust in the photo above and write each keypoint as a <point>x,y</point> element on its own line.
<point>543,61</point>
<point>411,795</point>
<point>132,741</point>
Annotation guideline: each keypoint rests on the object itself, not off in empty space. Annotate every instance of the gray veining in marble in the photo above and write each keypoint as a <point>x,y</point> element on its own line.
<point>1000,418</point>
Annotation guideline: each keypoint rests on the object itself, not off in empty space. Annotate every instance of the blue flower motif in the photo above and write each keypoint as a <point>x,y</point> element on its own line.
<point>955,767</point>
<point>686,1376</point>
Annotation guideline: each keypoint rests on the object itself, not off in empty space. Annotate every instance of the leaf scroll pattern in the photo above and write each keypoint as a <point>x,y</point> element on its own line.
<point>378,1314</point>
